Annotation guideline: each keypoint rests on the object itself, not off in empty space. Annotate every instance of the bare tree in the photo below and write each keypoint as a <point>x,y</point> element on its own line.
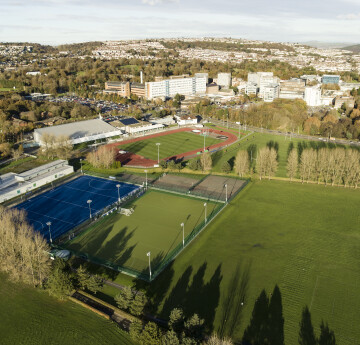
<point>23,252</point>
<point>292,164</point>
<point>103,157</point>
<point>272,163</point>
<point>261,161</point>
<point>206,161</point>
<point>242,163</point>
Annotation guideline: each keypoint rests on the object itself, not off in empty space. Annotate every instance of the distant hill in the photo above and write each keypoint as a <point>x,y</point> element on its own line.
<point>355,48</point>
<point>326,45</point>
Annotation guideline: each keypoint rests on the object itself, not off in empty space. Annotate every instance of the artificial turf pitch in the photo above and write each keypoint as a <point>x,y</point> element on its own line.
<point>305,238</point>
<point>153,227</point>
<point>171,145</point>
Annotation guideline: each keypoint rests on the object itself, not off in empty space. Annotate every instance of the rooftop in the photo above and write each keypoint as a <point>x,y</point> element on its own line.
<point>78,129</point>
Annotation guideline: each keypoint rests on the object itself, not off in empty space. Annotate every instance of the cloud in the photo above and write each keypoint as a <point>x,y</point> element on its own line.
<point>157,2</point>
<point>349,16</point>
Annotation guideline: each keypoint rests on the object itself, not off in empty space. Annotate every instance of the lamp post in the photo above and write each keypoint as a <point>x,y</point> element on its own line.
<point>146,178</point>
<point>89,202</point>
<point>149,254</point>
<point>49,225</point>
<point>118,187</point>
<point>239,129</point>
<point>81,165</point>
<point>205,204</point>
<point>158,146</point>
<point>226,195</point>
<point>183,230</point>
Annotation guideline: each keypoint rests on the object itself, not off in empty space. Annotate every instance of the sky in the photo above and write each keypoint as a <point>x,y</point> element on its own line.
<point>70,21</point>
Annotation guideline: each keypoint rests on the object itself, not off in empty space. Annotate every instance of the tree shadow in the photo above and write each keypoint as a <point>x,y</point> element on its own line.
<point>233,302</point>
<point>199,297</point>
<point>290,148</point>
<point>274,145</point>
<point>267,321</point>
<point>216,156</point>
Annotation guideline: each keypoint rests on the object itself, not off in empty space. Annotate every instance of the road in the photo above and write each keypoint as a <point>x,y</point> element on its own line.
<point>288,134</point>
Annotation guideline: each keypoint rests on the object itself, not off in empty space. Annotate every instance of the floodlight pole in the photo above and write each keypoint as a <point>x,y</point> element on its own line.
<point>226,193</point>
<point>146,178</point>
<point>81,165</point>
<point>205,204</point>
<point>158,146</point>
<point>49,225</point>
<point>118,188</point>
<point>149,255</point>
<point>89,202</point>
<point>204,133</point>
<point>183,231</point>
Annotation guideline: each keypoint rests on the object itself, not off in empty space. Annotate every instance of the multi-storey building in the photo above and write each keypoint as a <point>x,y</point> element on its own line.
<point>312,96</point>
<point>292,89</point>
<point>224,80</point>
<point>330,79</point>
<point>171,87</point>
<point>271,91</point>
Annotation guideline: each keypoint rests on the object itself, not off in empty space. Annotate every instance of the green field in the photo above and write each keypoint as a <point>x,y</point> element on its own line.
<point>305,238</point>
<point>171,145</point>
<point>154,226</point>
<point>32,317</point>
<point>255,141</point>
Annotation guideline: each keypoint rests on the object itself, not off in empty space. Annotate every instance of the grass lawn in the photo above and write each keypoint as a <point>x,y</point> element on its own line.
<point>32,317</point>
<point>171,145</point>
<point>154,226</point>
<point>21,165</point>
<point>255,141</point>
<point>6,89</point>
<point>305,238</point>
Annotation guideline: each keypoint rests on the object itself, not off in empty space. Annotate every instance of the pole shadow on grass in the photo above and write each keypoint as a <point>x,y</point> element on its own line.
<point>234,299</point>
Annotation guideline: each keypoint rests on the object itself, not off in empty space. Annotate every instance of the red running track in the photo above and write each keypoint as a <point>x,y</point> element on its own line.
<point>132,159</point>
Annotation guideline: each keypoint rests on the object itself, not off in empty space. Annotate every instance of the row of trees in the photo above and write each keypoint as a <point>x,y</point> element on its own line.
<point>332,166</point>
<point>103,157</point>
<point>181,330</point>
<point>24,253</point>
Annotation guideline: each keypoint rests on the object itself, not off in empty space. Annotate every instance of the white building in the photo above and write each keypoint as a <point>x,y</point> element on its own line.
<point>79,132</point>
<point>224,80</point>
<point>12,185</point>
<point>271,92</point>
<point>185,120</point>
<point>171,87</point>
<point>202,75</point>
<point>251,88</point>
<point>262,79</point>
<point>312,96</point>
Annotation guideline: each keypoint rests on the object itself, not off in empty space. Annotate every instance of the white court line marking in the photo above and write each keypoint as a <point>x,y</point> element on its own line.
<point>87,191</point>
<point>67,202</point>
<point>44,215</point>
<point>101,188</point>
<point>37,221</point>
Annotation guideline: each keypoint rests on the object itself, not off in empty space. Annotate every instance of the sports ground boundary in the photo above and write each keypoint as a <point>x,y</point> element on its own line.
<point>144,275</point>
<point>134,160</point>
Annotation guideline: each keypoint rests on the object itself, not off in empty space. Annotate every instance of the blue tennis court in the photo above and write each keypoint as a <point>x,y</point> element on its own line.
<point>66,206</point>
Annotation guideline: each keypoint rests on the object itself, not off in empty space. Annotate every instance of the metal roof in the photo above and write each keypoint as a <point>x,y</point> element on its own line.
<point>78,129</point>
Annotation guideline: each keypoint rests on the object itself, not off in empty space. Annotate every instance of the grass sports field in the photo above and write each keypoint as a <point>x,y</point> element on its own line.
<point>33,318</point>
<point>171,145</point>
<point>255,141</point>
<point>154,226</point>
<point>305,238</point>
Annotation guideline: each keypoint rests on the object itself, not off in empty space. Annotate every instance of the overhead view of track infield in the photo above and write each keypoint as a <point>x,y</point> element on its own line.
<point>178,144</point>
